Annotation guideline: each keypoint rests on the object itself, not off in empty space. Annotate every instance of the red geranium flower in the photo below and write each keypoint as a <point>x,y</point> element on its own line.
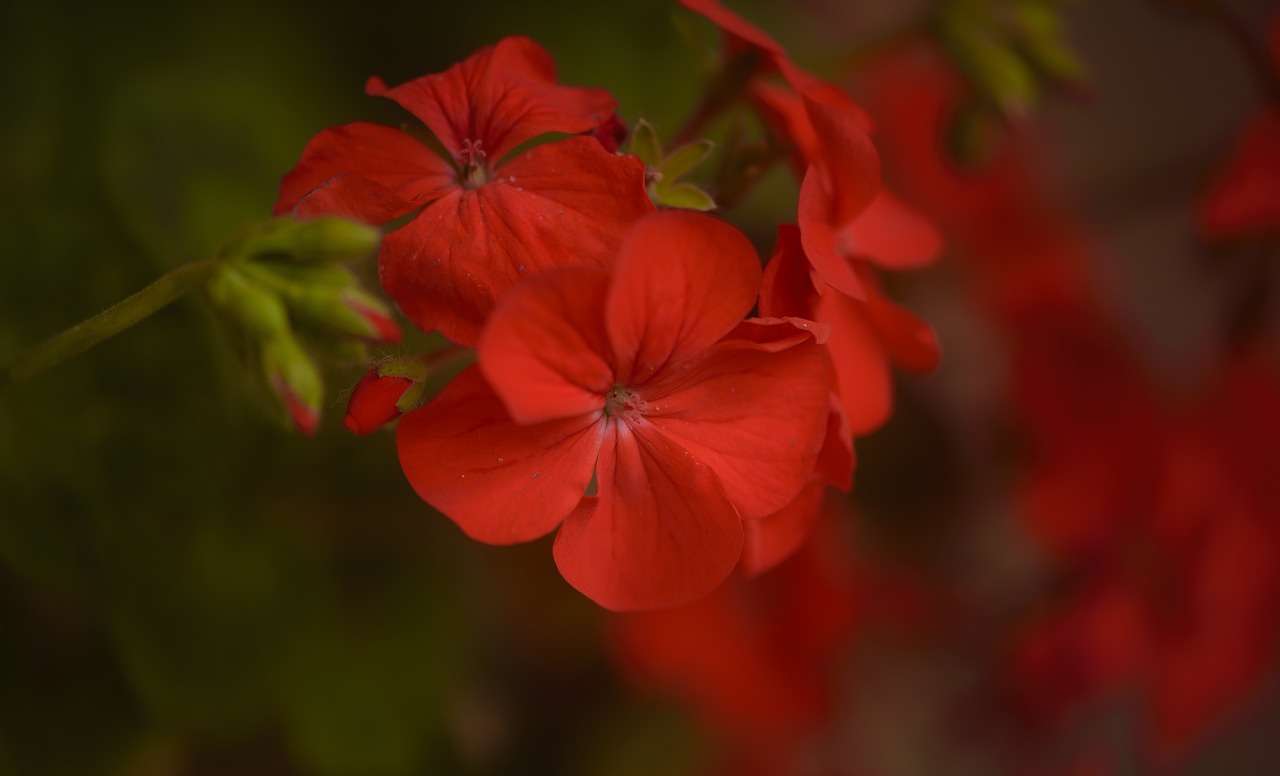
<point>1169,520</point>
<point>1244,197</point>
<point>756,660</point>
<point>487,217</point>
<point>867,335</point>
<point>648,381</point>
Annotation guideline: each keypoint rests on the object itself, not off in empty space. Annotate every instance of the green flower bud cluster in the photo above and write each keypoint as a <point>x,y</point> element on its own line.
<point>285,300</point>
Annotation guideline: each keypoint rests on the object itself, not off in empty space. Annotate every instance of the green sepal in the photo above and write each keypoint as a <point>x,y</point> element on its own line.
<point>684,159</point>
<point>253,310</point>
<point>411,398</point>
<point>411,367</point>
<point>645,143</point>
<point>683,195</point>
<point>284,276</point>
<point>323,297</point>
<point>289,372</point>
<point>318,240</point>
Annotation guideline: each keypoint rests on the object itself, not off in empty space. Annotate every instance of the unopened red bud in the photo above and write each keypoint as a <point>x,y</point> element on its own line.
<point>610,134</point>
<point>374,401</point>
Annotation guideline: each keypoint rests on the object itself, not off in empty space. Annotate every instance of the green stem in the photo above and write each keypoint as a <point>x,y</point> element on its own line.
<point>120,316</point>
<point>722,92</point>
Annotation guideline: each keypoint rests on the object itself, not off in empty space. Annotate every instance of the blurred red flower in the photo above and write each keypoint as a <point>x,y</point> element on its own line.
<point>1243,199</point>
<point>757,660</point>
<point>1170,524</point>
<point>487,217</point>
<point>1158,513</point>
<point>647,381</point>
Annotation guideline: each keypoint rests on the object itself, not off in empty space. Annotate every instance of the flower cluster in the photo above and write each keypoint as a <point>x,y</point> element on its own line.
<point>1154,508</point>
<point>621,396</point>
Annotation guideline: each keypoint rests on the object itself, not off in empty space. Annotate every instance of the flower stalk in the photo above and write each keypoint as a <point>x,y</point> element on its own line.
<point>115,319</point>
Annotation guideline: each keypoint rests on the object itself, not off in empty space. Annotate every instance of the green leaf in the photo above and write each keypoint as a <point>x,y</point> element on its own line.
<point>680,161</point>
<point>645,143</point>
<point>684,195</point>
<point>999,74</point>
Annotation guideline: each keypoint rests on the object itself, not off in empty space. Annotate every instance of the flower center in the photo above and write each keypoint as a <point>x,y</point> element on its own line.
<point>621,399</point>
<point>471,160</point>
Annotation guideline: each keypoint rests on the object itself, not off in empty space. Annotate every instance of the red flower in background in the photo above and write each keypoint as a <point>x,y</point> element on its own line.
<point>1172,523</point>
<point>689,419</point>
<point>1159,516</point>
<point>487,218</point>
<point>1243,199</point>
<point>757,660</point>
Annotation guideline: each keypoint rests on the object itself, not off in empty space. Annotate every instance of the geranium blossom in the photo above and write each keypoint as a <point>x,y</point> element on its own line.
<point>867,335</point>
<point>1243,199</point>
<point>689,419</point>
<point>756,660</point>
<point>488,216</point>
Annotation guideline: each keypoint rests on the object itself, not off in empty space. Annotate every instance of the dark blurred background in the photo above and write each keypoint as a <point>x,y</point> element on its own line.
<point>186,588</point>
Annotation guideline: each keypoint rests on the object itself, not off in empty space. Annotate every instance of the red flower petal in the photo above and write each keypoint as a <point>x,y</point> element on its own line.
<point>907,338</point>
<point>836,459</point>
<point>892,235</point>
<point>818,90</point>
<point>740,32</point>
<point>861,366</point>
<point>772,539</point>
<point>502,483</point>
<point>835,192</point>
<point>757,418</point>
<point>783,110</point>
<point>787,288</point>
<point>500,96</point>
<point>661,532</point>
<point>557,205</point>
<point>544,350</point>
<point>820,235</point>
<point>386,173</point>
<point>682,281</point>
<point>852,162</point>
